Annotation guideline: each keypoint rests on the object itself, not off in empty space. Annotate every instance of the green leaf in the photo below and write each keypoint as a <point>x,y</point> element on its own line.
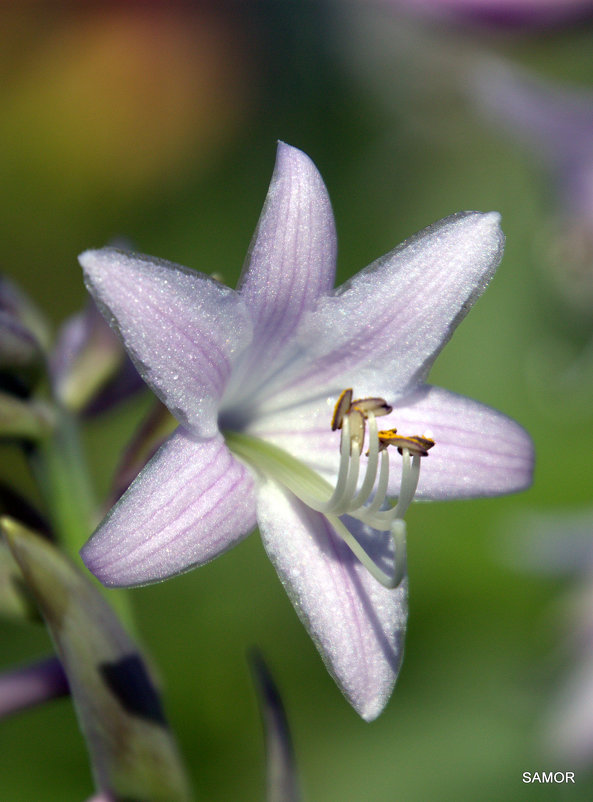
<point>29,420</point>
<point>16,601</point>
<point>133,753</point>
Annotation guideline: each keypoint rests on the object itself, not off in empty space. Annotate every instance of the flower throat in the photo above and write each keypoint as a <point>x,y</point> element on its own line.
<point>352,417</point>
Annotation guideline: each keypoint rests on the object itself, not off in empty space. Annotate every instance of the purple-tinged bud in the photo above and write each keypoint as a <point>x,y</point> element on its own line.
<point>24,338</point>
<point>282,781</point>
<point>32,685</point>
<point>16,305</point>
<point>18,347</point>
<point>86,355</point>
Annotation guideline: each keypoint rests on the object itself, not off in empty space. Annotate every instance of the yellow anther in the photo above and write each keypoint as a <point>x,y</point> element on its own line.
<point>342,408</point>
<point>366,406</point>
<point>416,444</point>
<point>378,406</point>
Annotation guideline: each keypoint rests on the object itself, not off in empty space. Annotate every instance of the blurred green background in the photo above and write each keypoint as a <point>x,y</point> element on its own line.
<point>158,123</point>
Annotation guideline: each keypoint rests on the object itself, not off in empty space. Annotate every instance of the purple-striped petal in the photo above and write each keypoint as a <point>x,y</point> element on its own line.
<point>478,451</point>
<point>182,329</point>
<point>190,503</point>
<point>381,331</point>
<point>291,262</point>
<point>304,431</point>
<point>357,624</point>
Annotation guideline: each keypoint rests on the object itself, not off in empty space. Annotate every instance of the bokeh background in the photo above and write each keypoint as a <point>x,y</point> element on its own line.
<point>157,122</point>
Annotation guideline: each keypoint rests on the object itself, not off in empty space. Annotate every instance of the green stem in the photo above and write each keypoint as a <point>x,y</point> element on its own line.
<point>60,469</point>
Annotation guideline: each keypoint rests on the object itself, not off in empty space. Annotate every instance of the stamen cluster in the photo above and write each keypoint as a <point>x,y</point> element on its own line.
<point>368,502</point>
<point>351,416</point>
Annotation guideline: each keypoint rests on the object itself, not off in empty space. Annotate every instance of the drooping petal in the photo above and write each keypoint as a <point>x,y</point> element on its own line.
<point>191,502</point>
<point>478,451</point>
<point>357,624</point>
<point>182,329</point>
<point>16,305</point>
<point>383,329</point>
<point>291,262</point>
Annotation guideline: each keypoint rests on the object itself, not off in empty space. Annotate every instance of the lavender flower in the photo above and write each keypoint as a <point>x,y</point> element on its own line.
<point>523,13</point>
<point>555,122</point>
<point>270,431</point>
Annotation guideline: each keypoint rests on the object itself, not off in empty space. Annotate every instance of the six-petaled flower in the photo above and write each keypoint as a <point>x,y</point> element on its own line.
<point>254,375</point>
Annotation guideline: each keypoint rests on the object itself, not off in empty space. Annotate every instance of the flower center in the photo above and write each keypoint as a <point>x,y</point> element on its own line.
<point>349,497</point>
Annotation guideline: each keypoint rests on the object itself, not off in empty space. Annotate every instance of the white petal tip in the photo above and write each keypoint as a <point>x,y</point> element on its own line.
<point>491,221</point>
<point>484,222</point>
<point>95,260</point>
<point>483,232</point>
<point>372,712</point>
<point>88,258</point>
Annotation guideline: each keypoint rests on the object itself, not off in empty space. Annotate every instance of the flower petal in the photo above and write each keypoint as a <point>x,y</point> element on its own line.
<point>192,502</point>
<point>182,329</point>
<point>291,261</point>
<point>384,328</point>
<point>357,624</point>
<point>478,451</point>
<point>305,432</point>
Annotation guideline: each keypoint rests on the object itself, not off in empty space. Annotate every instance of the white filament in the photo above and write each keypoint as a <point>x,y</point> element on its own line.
<point>346,501</point>
<point>317,494</point>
